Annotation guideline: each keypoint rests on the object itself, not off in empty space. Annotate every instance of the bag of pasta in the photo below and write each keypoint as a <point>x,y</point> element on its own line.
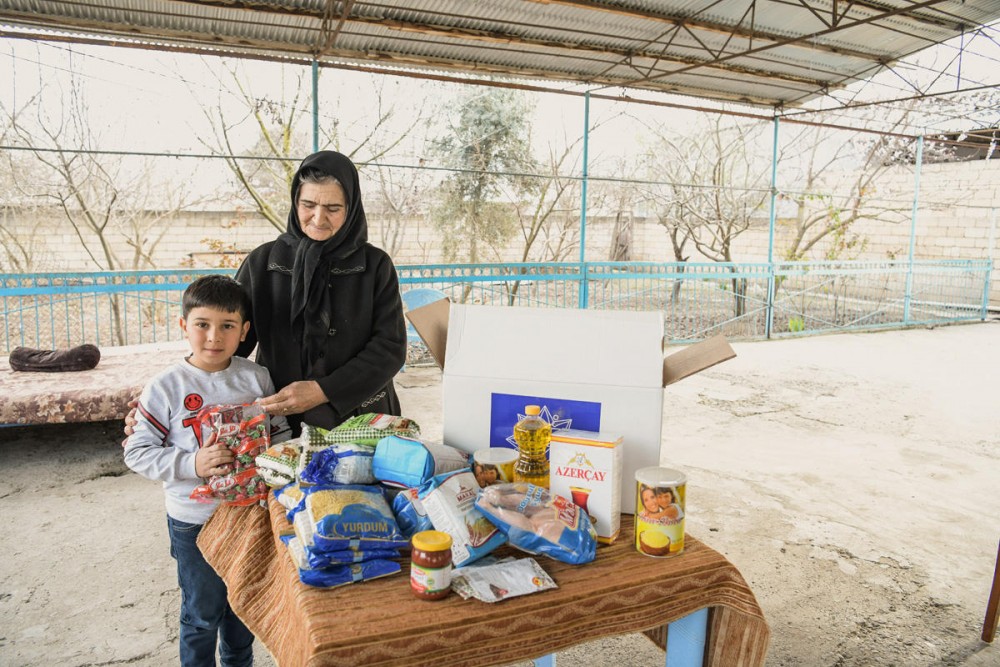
<point>245,430</point>
<point>347,516</point>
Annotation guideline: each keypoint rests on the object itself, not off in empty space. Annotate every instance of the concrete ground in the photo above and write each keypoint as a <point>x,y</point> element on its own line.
<point>852,478</point>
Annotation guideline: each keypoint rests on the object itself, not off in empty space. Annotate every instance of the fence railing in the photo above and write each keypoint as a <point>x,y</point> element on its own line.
<point>741,300</point>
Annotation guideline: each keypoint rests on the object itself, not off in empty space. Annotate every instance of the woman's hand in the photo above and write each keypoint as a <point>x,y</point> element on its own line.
<point>294,399</point>
<point>213,459</point>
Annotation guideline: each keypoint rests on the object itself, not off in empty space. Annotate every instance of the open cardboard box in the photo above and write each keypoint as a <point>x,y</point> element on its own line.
<point>596,370</point>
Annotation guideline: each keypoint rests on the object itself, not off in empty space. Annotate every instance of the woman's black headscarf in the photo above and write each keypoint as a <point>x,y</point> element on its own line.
<point>314,260</point>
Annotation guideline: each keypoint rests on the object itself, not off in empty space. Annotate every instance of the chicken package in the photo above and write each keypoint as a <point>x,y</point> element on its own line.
<point>538,522</point>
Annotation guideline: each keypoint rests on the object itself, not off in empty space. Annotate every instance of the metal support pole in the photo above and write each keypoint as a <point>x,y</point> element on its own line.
<point>987,279</point>
<point>584,285</point>
<point>315,104</point>
<point>769,325</point>
<point>913,230</point>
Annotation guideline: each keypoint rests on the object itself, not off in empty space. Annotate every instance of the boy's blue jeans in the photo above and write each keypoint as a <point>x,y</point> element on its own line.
<point>205,612</point>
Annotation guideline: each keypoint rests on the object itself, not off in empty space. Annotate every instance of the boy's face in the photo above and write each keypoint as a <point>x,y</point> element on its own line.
<point>214,336</point>
<point>665,499</point>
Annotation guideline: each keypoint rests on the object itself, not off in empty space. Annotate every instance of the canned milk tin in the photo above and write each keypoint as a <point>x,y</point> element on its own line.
<point>494,465</point>
<point>659,511</point>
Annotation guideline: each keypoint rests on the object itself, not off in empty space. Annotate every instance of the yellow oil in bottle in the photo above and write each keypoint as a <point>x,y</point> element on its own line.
<point>532,435</point>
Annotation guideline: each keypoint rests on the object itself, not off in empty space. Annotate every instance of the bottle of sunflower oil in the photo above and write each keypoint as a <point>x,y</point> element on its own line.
<point>532,435</point>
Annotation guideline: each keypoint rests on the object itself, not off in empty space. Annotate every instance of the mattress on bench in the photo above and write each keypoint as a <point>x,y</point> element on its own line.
<point>100,394</point>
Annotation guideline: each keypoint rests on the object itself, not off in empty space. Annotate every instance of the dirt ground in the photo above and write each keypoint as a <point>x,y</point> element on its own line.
<point>853,480</point>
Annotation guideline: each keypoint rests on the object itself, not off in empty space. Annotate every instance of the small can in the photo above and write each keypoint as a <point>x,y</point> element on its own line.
<point>430,564</point>
<point>494,465</point>
<point>659,511</point>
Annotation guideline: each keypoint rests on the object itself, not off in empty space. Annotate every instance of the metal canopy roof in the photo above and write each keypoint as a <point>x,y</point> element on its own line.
<point>766,52</point>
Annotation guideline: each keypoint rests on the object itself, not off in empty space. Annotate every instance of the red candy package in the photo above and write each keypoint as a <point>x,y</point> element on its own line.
<point>246,431</point>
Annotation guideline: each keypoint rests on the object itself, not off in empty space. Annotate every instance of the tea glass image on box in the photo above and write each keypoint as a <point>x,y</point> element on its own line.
<point>659,511</point>
<point>494,465</point>
<point>586,467</point>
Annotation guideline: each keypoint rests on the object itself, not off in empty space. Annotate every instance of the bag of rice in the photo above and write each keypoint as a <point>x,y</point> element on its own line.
<point>340,464</point>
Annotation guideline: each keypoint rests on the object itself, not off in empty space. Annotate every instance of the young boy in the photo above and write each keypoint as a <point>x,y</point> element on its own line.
<point>165,447</point>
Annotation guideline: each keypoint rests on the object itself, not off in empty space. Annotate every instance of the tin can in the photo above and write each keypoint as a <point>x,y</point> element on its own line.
<point>494,465</point>
<point>659,511</point>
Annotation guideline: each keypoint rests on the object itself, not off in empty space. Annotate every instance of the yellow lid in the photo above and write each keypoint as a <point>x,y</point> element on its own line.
<point>532,410</point>
<point>431,540</point>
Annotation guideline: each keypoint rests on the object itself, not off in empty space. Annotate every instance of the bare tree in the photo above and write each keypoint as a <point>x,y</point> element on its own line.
<point>283,125</point>
<point>713,188</point>
<point>108,201</point>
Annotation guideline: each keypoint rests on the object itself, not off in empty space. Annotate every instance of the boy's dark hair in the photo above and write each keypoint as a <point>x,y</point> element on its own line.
<point>218,292</point>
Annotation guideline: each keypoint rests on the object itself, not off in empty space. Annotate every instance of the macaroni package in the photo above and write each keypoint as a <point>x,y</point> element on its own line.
<point>307,559</point>
<point>351,516</point>
<point>340,575</point>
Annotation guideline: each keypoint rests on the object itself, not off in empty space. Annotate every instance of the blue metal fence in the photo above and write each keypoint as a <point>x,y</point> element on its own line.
<point>52,310</point>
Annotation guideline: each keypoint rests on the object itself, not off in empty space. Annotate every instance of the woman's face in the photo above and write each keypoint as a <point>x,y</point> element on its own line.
<point>649,500</point>
<point>322,209</point>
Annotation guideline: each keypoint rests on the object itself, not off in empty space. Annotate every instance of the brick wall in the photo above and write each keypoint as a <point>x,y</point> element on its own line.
<point>959,228</point>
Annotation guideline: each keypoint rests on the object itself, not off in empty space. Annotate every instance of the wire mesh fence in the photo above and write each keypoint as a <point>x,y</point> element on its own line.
<point>741,300</point>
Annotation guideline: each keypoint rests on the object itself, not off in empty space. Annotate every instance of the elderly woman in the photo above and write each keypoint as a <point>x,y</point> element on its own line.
<point>326,315</point>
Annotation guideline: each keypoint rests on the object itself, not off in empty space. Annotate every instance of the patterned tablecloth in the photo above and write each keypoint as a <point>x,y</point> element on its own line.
<point>100,394</point>
<point>380,623</point>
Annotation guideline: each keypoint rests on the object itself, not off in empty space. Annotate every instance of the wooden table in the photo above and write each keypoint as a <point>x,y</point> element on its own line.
<point>379,623</point>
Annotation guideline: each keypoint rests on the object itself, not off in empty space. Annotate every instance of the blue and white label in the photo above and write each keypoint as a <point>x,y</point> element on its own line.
<point>508,409</point>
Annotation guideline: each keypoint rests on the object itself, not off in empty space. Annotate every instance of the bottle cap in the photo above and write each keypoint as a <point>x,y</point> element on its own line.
<point>532,410</point>
<point>431,540</point>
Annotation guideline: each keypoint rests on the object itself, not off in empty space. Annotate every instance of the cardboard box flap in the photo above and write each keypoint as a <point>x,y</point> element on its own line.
<point>696,358</point>
<point>565,345</point>
<point>431,323</point>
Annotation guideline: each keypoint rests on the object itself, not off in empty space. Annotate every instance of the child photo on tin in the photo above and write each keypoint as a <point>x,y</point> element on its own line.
<point>486,474</point>
<point>658,504</point>
<point>666,499</point>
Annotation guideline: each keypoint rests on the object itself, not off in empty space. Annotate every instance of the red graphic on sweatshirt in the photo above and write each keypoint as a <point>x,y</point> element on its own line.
<point>193,401</point>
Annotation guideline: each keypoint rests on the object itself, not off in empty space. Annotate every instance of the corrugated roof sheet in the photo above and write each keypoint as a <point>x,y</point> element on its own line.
<point>779,52</point>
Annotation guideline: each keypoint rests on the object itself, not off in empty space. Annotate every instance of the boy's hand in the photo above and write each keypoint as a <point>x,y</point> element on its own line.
<point>213,459</point>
